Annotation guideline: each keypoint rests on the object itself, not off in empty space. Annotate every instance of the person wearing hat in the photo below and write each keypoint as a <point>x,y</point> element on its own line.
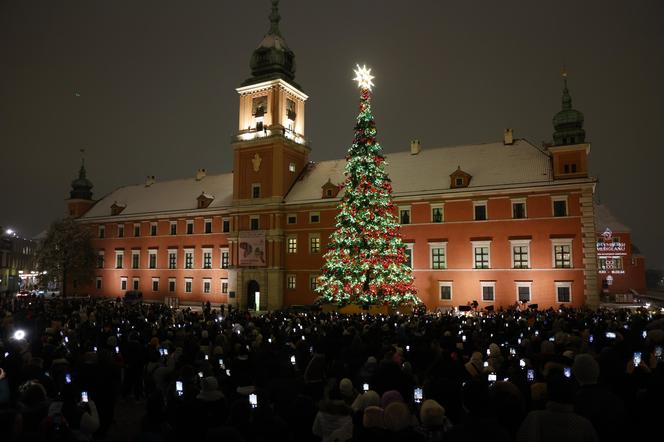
<point>399,423</point>
<point>347,390</point>
<point>210,405</point>
<point>433,422</point>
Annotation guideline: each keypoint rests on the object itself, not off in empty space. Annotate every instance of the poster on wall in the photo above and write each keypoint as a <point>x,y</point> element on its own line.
<point>251,249</point>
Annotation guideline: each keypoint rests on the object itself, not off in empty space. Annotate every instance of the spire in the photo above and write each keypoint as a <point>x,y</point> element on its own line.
<point>274,18</point>
<point>272,59</point>
<point>81,188</point>
<point>568,122</point>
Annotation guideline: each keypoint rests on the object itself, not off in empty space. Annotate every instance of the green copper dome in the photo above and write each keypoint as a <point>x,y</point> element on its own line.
<point>272,59</point>
<point>568,122</point>
<point>81,187</point>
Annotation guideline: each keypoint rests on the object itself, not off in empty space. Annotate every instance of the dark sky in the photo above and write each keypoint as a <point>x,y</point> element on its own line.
<point>157,83</point>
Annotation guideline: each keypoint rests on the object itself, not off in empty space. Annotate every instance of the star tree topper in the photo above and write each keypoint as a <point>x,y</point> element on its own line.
<point>363,77</point>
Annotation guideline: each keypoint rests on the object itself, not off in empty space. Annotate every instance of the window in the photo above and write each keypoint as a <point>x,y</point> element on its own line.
<point>137,230</point>
<point>313,282</point>
<point>291,219</point>
<point>171,285</point>
<point>314,243</point>
<point>445,290</point>
<point>98,282</point>
<point>135,283</point>
<point>559,206</point>
<point>100,259</point>
<point>224,286</point>
<point>438,252</point>
<point>563,291</point>
<point>254,222</point>
<point>190,227</point>
<point>188,259</point>
<point>174,227</point>
<point>207,285</point>
<point>123,283</point>
<point>207,258</point>
<point>488,290</point>
<point>102,231</point>
<point>459,182</point>
<point>291,244</point>
<point>120,230</point>
<point>314,217</point>
<point>119,256</point>
<point>152,262</point>
<point>291,167</point>
<point>436,214</point>
<point>408,251</point>
<point>562,253</point>
<point>188,284</point>
<point>135,259</point>
<point>290,281</point>
<point>481,258</point>
<point>520,253</point>
<point>153,229</point>
<point>155,284</point>
<point>224,258</point>
<point>226,225</point>
<point>480,210</point>
<point>208,226</point>
<point>610,264</point>
<point>523,291</point>
<point>172,258</point>
<point>255,190</point>
<point>519,209</point>
<point>404,215</point>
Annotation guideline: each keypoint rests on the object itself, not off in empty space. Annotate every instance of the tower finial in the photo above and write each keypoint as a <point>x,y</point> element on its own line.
<point>81,171</point>
<point>274,18</point>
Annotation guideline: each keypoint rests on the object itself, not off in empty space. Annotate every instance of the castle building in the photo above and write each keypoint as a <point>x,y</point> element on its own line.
<point>497,223</point>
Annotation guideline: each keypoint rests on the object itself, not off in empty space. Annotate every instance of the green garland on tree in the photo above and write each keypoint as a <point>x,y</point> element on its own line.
<point>365,262</point>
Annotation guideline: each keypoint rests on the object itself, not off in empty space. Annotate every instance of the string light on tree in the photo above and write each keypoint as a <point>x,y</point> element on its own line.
<point>365,262</point>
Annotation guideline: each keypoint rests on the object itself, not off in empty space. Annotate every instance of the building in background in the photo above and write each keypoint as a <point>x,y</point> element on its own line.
<point>621,268</point>
<point>17,262</point>
<point>497,223</point>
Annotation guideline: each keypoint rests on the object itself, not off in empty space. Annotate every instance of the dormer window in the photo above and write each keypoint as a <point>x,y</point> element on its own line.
<point>117,208</point>
<point>459,178</point>
<point>204,200</point>
<point>330,190</point>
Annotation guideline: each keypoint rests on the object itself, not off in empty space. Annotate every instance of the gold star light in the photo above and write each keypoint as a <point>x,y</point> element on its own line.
<point>363,77</point>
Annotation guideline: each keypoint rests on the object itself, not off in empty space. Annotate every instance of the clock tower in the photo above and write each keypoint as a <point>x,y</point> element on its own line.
<point>269,153</point>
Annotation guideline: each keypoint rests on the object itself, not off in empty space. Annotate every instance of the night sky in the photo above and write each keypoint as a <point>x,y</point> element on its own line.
<point>157,83</point>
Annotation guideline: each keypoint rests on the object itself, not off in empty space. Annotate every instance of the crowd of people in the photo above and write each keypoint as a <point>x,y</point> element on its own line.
<point>67,366</point>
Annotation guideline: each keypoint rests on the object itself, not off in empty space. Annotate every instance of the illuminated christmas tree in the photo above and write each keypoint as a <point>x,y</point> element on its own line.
<point>366,261</point>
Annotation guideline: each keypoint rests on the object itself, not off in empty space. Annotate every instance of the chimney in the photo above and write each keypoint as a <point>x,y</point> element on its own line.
<point>415,147</point>
<point>150,180</point>
<point>200,174</point>
<point>508,137</point>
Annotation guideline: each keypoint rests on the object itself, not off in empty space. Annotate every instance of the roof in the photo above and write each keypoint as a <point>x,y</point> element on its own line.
<point>166,196</point>
<point>604,218</point>
<point>491,164</point>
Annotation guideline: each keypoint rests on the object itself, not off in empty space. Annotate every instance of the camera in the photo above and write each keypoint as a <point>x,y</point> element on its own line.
<point>530,375</point>
<point>84,396</point>
<point>637,358</point>
<point>178,388</point>
<point>292,360</point>
<point>253,400</point>
<point>492,377</point>
<point>68,378</point>
<point>365,387</point>
<point>610,335</point>
<point>568,372</point>
<point>522,363</point>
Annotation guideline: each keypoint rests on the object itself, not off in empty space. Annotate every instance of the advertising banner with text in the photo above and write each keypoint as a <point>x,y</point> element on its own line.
<point>251,248</point>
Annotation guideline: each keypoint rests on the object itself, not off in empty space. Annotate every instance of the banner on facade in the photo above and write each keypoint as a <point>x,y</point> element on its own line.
<point>251,248</point>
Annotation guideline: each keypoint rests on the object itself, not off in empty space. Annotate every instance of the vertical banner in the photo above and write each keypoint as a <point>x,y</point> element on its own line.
<point>251,248</point>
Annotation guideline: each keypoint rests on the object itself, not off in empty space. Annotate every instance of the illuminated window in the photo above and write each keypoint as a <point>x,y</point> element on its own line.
<point>224,286</point>
<point>290,281</point>
<point>313,282</point>
<point>445,290</point>
<point>481,254</point>
<point>291,167</point>
<point>188,259</point>
<point>224,258</point>
<point>438,253</point>
<point>520,254</point>
<point>172,258</point>
<point>314,243</point>
<point>562,253</point>
<point>291,244</point>
<point>207,258</point>
<point>207,285</point>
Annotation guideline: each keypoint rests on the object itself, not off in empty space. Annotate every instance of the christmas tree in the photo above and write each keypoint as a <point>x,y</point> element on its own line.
<point>366,261</point>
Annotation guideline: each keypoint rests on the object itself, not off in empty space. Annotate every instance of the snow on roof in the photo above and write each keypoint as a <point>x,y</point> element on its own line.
<point>166,196</point>
<point>490,164</point>
<point>604,218</point>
